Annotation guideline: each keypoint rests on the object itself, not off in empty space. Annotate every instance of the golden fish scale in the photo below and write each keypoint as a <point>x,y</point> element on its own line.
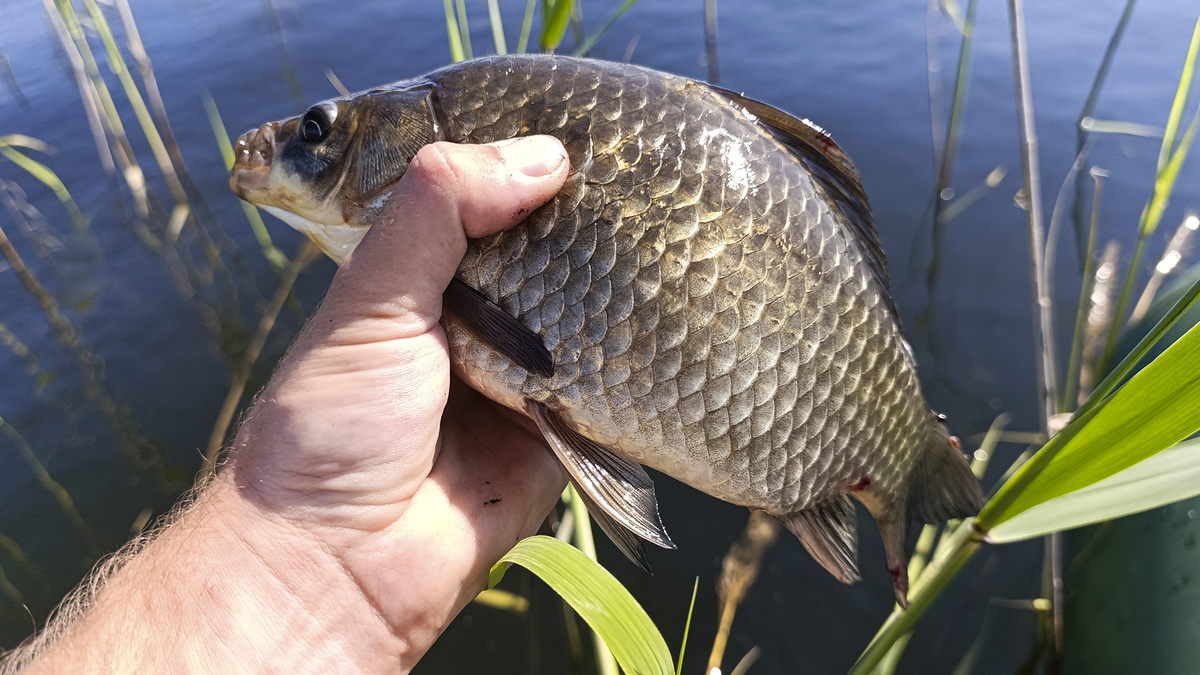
<point>708,314</point>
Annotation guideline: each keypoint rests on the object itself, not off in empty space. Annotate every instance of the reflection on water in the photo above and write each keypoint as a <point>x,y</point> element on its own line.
<point>168,322</point>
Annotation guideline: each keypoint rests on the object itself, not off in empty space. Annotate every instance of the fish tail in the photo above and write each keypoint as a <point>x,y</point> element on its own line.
<point>941,486</point>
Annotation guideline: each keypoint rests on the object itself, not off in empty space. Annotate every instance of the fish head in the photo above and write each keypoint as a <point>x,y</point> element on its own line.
<point>329,172</point>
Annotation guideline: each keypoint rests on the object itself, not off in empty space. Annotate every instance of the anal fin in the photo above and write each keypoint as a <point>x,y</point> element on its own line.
<point>489,323</point>
<point>829,533</point>
<point>621,489</point>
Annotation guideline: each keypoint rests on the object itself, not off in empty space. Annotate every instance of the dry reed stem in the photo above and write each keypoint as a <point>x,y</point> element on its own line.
<point>243,368</point>
<point>739,570</point>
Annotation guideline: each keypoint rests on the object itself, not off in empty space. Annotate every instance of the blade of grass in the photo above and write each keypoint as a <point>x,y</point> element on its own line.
<point>1000,506</point>
<point>1057,214</point>
<point>555,16</point>
<point>452,33</point>
<point>961,546</point>
<point>1177,248</point>
<point>497,27</point>
<point>1043,334</point>
<point>277,258</point>
<point>47,177</point>
<point>464,28</point>
<point>1085,113</point>
<point>10,548</point>
<point>1185,83</point>
<point>1096,126</point>
<point>503,600</point>
<point>1157,408</point>
<point>1170,160</point>
<point>526,26</point>
<point>585,541</point>
<point>597,596</point>
<point>576,23</point>
<point>948,149</point>
<point>116,63</point>
<point>10,80</point>
<point>1169,476</point>
<point>56,489</point>
<point>710,41</point>
<point>146,70</point>
<point>275,28</point>
<point>592,39</point>
<point>20,350</point>
<point>953,209</point>
<point>1075,362</point>
<point>10,591</point>
<point>687,625</point>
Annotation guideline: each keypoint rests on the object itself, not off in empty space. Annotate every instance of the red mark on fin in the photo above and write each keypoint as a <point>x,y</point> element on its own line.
<point>862,484</point>
<point>900,584</point>
<point>955,443</point>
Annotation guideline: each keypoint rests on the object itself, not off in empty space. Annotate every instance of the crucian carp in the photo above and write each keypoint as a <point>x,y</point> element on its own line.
<point>706,295</point>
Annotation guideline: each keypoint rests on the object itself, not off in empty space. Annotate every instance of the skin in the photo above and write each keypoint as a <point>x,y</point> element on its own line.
<point>366,494</point>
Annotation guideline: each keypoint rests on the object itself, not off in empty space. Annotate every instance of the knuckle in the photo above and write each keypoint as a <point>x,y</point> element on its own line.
<point>439,166</point>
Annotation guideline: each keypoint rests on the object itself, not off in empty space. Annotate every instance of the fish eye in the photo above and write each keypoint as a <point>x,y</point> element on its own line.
<point>316,123</point>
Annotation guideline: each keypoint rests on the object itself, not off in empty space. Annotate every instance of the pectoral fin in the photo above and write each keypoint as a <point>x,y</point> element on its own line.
<point>625,540</point>
<point>621,489</point>
<point>488,322</point>
<point>829,533</point>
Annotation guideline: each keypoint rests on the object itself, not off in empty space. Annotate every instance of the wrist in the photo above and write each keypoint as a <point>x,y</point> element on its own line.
<point>283,591</point>
<point>226,588</point>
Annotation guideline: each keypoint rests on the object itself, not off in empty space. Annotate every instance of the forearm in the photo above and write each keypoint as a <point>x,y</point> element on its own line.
<point>226,589</point>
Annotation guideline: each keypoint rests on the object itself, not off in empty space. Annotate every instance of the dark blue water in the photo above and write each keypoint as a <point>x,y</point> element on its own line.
<point>858,69</point>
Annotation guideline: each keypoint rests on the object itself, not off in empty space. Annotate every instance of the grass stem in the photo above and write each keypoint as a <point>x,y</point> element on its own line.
<point>1170,161</point>
<point>1043,334</point>
<point>1075,363</point>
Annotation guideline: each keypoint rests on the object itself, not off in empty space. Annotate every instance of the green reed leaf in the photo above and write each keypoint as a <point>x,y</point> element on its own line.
<point>597,597</point>
<point>42,173</point>
<point>555,15</point>
<point>1157,408</point>
<point>1164,478</point>
<point>452,33</point>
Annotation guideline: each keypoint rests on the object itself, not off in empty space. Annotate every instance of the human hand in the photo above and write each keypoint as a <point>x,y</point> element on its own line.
<point>366,495</point>
<point>349,440</point>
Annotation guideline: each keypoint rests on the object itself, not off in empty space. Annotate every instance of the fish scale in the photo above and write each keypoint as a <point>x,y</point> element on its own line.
<point>705,295</point>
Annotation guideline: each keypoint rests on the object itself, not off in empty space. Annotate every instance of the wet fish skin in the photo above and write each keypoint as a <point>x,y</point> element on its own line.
<point>708,286</point>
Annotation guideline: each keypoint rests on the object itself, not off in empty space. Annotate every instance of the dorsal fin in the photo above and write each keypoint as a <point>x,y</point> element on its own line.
<point>832,169</point>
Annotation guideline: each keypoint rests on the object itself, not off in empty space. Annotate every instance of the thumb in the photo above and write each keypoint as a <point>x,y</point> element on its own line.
<point>450,192</point>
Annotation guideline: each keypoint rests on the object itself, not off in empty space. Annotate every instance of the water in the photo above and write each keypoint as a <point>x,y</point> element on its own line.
<point>859,71</point>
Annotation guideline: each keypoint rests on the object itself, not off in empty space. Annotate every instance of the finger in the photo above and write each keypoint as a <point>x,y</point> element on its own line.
<point>449,193</point>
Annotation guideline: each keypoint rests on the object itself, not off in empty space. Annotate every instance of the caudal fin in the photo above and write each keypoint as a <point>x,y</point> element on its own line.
<point>941,486</point>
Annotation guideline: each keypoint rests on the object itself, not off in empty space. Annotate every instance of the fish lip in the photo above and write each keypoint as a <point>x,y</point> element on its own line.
<point>252,158</point>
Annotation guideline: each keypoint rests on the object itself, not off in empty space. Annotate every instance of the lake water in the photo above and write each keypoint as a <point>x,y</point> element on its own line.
<point>858,69</point>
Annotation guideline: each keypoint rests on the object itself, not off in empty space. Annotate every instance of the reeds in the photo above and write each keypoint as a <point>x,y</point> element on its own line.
<point>1116,426</point>
<point>105,55</point>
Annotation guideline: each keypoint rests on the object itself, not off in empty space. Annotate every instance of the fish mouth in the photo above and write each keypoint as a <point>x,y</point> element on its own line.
<point>252,157</point>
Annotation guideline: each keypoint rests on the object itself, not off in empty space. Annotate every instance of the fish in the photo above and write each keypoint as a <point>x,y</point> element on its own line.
<point>706,295</point>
